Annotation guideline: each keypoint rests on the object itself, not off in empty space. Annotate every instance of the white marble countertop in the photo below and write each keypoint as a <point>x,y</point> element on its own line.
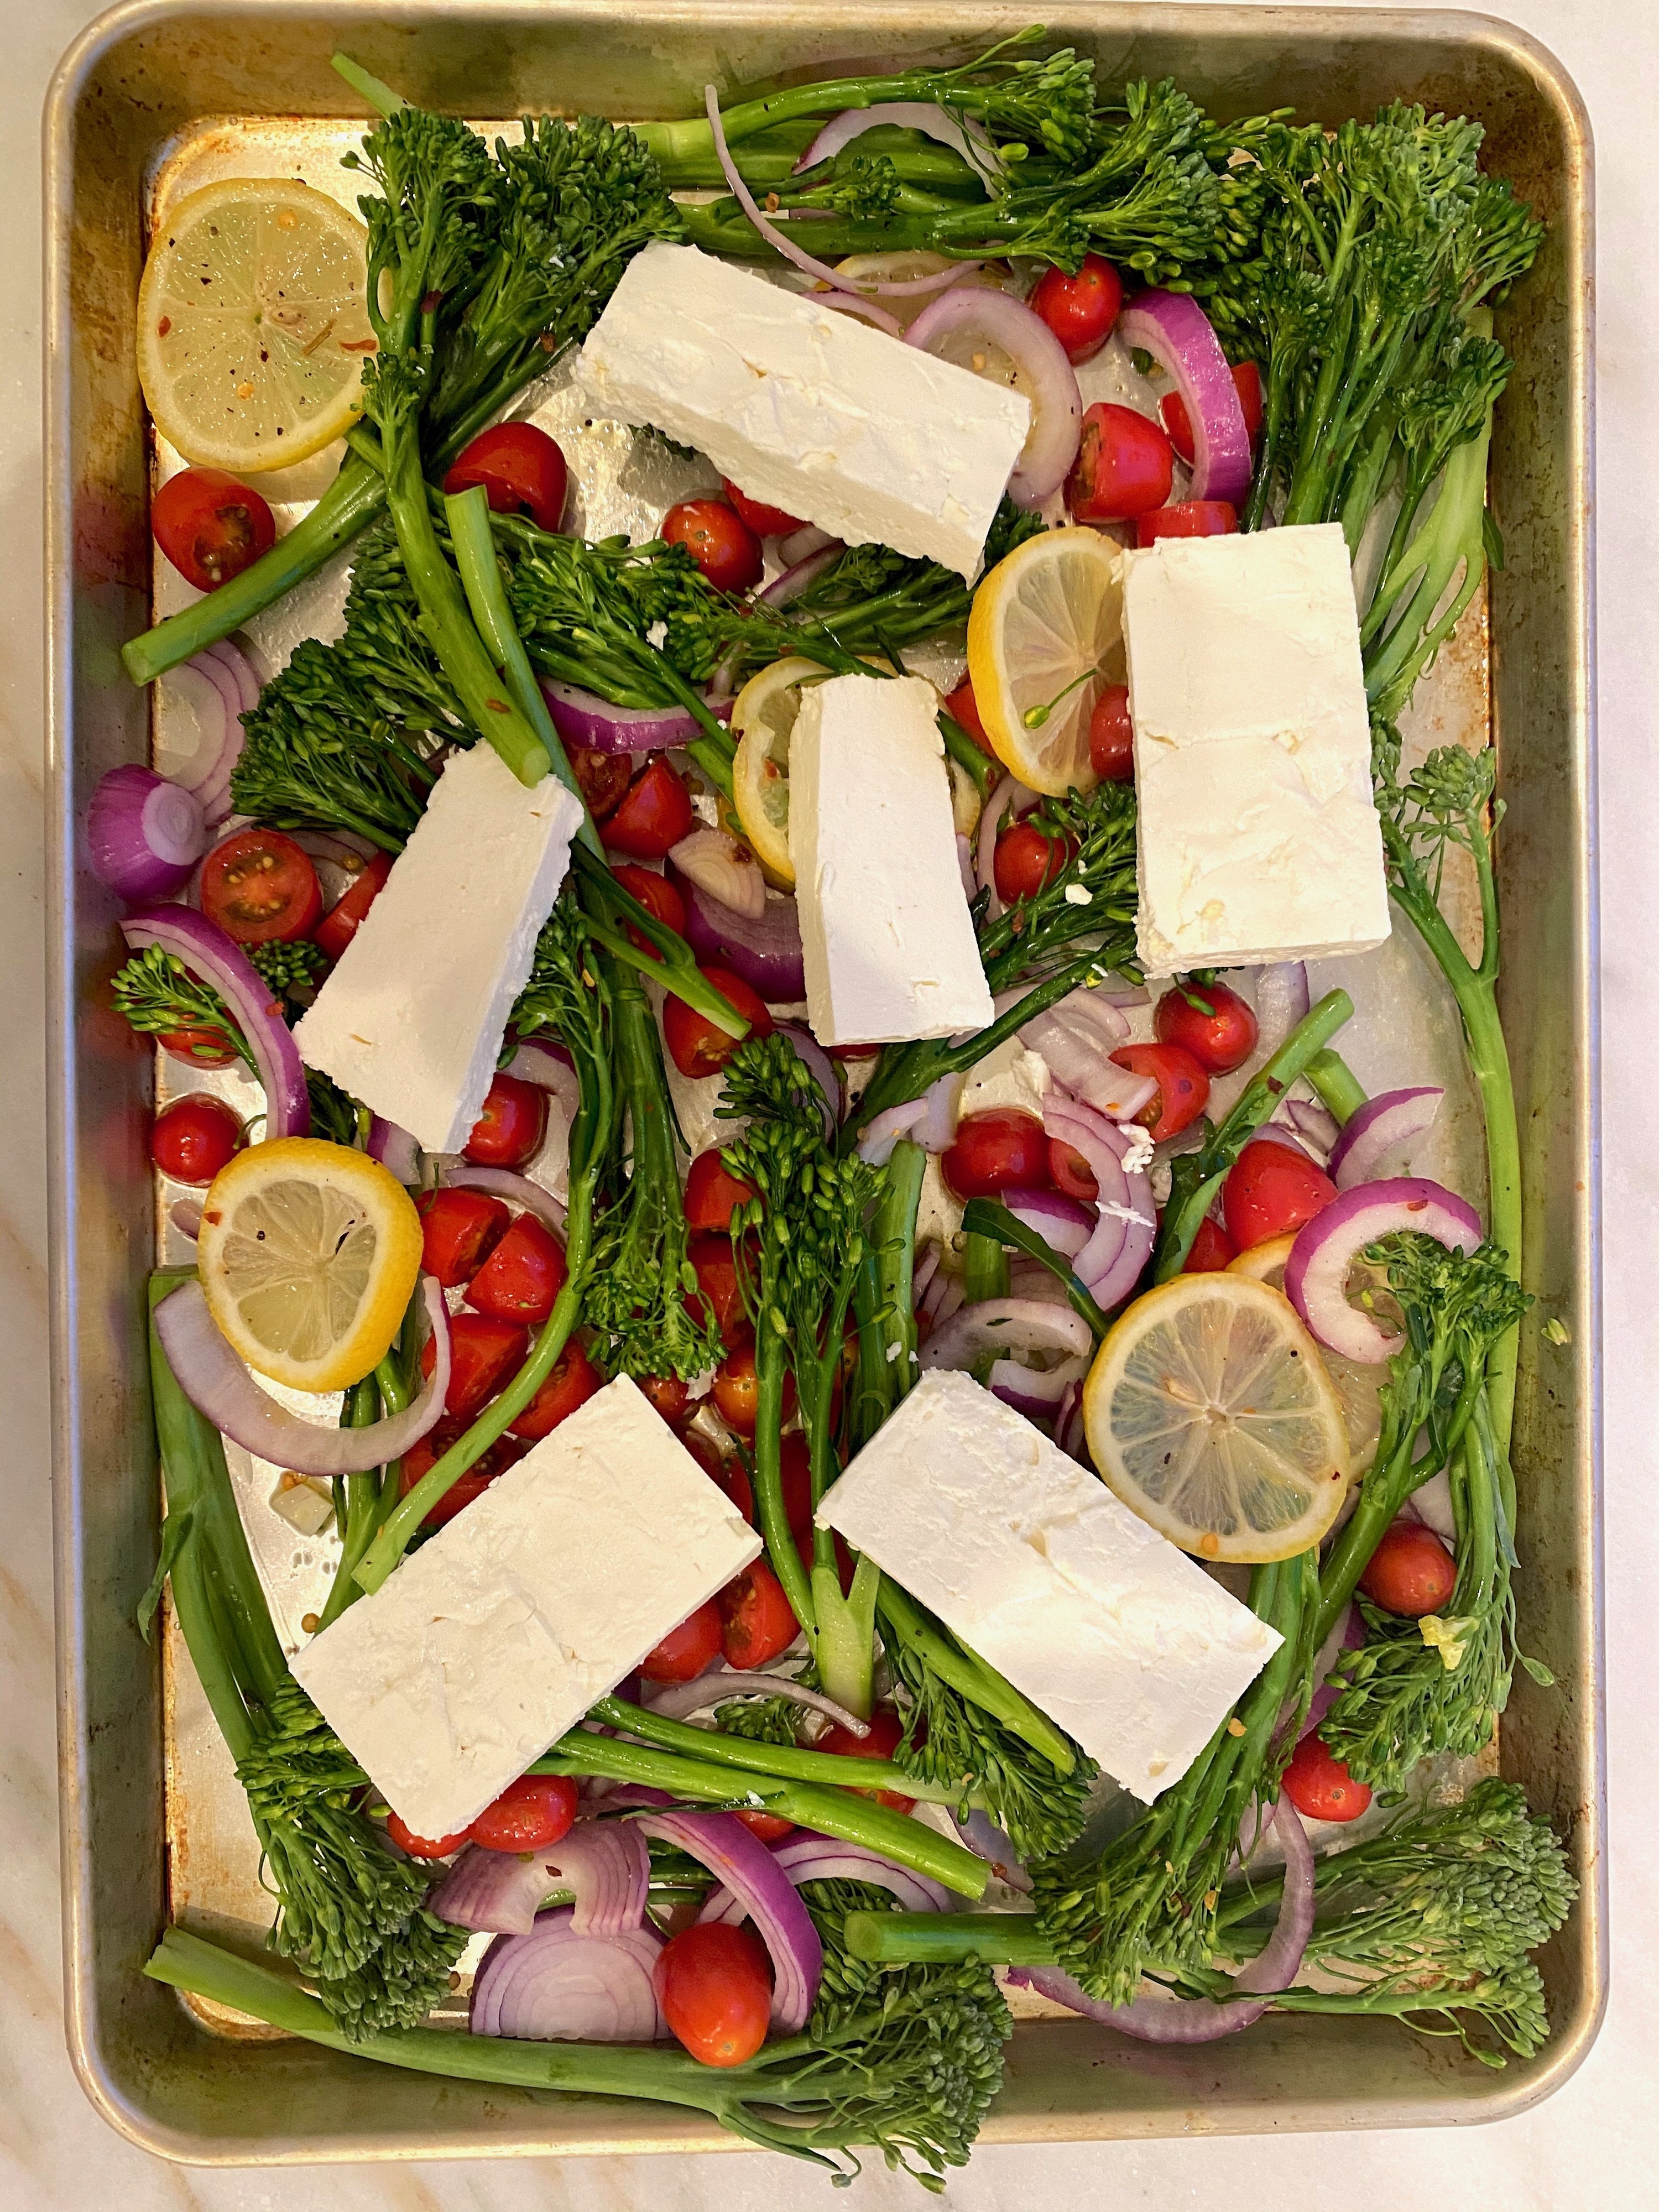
<point>1595,2144</point>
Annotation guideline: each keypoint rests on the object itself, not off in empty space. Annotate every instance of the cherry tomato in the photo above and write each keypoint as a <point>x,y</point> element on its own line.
<point>520,467</point>
<point>1070,1173</point>
<point>1270,1190</point>
<point>714,1984</point>
<point>713,1192</point>
<point>602,778</point>
<point>694,1045</point>
<point>1124,466</point>
<point>718,540</point>
<point>1112,736</point>
<point>201,1048</point>
<point>963,707</point>
<point>1219,1039</point>
<point>1079,310</point>
<point>1188,518</point>
<point>421,1457</point>
<point>510,1129</point>
<point>1320,1787</point>
<point>1026,860</point>
<point>344,918</point>
<point>1002,1150</point>
<point>486,1351</point>
<point>193,1138</point>
<point>717,1300</point>
<point>765,522</point>
<point>459,1228</point>
<point>652,814</point>
<point>259,886</point>
<point>423,1847</point>
<point>668,1396</point>
<point>1212,1250</point>
<point>573,1381</point>
<point>886,1730</point>
<point>530,1814</point>
<point>731,1473</point>
<point>210,526</point>
<point>522,1276</point>
<point>756,1620</point>
<point>770,1827</point>
<point>737,1391</point>
<point>1247,381</point>
<point>1411,1572</point>
<point>659,898</point>
<point>1183,1088</point>
<point>686,1650</point>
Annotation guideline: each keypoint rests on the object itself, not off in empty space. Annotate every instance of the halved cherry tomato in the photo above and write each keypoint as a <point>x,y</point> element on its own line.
<point>1247,381</point>
<point>459,1228</point>
<point>686,1650</point>
<point>520,467</point>
<point>259,886</point>
<point>1079,310</point>
<point>573,1381</point>
<point>668,1396</point>
<point>530,1814</point>
<point>770,1827</point>
<point>886,1730</point>
<point>729,1472</point>
<point>717,1300</point>
<point>1188,518</point>
<point>1002,1150</point>
<point>1124,466</point>
<point>201,1048</point>
<point>756,1620</point>
<point>522,1276</point>
<point>344,919</point>
<point>1270,1190</point>
<point>193,1138</point>
<point>652,816</point>
<point>1212,1250</point>
<point>1026,860</point>
<point>962,708</point>
<point>485,1352</point>
<point>714,1984</point>
<point>718,540</point>
<point>1411,1572</point>
<point>423,1847</point>
<point>659,898</point>
<point>1071,1172</point>
<point>765,522</point>
<point>1213,1024</point>
<point>1183,1088</point>
<point>1320,1787</point>
<point>510,1129</point>
<point>421,1457</point>
<point>737,1391</point>
<point>694,1045</point>
<point>713,1192</point>
<point>602,778</point>
<point>210,526</point>
<point>1112,736</point>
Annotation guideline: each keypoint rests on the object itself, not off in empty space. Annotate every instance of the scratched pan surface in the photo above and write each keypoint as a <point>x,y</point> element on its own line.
<point>157,100</point>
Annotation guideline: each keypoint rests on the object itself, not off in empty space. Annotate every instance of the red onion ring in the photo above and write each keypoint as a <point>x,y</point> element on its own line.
<point>717,864</point>
<point>550,1069</point>
<point>1008,793</point>
<point>231,656</point>
<point>819,1066</point>
<point>853,303</point>
<point>1316,1272</point>
<point>807,570</point>
<point>1348,1635</point>
<point>216,701</point>
<point>1315,1122</point>
<point>144,835</point>
<point>1383,1126</point>
<point>1034,1391</point>
<point>941,1103</point>
<point>460,1174</point>
<point>964,135</point>
<point>1051,442</point>
<point>395,1149</point>
<point>743,1862</point>
<point>554,1985</point>
<point>982,1835</point>
<point>606,1864</point>
<point>943,1297</point>
<point>883,1131</point>
<point>582,718</point>
<point>1102,1256</point>
<point>677,1701</point>
<point>805,542</point>
<point>1175,330</point>
<point>997,1325</point>
<point>1065,1222</point>
<point>922,1273</point>
<point>1282,1000</point>
<point>824,1858</point>
<point>185,1215</point>
<point>210,955</point>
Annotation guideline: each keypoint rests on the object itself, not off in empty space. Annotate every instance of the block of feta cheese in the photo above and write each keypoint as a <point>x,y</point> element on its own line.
<point>498,1634</point>
<point>884,927</point>
<point>1116,1635</point>
<point>805,408</point>
<point>411,1020</point>
<point>1258,833</point>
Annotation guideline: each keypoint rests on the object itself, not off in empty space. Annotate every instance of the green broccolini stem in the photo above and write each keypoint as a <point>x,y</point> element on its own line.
<point>988,1218</point>
<point>779,1539</point>
<point>901,1939</point>
<point>984,1268</point>
<point>362,1517</point>
<point>1335,1084</point>
<point>966,1673</point>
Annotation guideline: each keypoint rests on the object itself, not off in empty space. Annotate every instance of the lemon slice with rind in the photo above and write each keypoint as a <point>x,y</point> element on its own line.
<point>1359,1388</point>
<point>1209,1412</point>
<point>308,1254</point>
<point>763,720</point>
<point>1045,636</point>
<point>252,325</point>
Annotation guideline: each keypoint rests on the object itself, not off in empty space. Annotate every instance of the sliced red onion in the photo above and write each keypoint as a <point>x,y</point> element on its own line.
<point>1109,1264</point>
<point>854,303</point>
<point>460,1174</point>
<point>1011,797</point>
<point>1315,1122</point>
<point>1044,367</point>
<point>943,1297</point>
<point>215,698</point>
<point>1030,1278</point>
<point>1076,1041</point>
<point>1430,1503</point>
<point>144,835</point>
<point>185,1215</point>
<point>231,656</point>
<point>825,1858</point>
<point>807,570</point>
<point>743,1862</point>
<point>884,1130</point>
<point>1348,1635</point>
<point>554,1985</point>
<point>802,543</point>
<point>550,1069</point>
<point>963,135</point>
<point>1175,330</point>
<point>605,1863</point>
<point>396,1151</point>
<point>715,863</point>
<point>218,1385</point>
<point>1065,1222</point>
<point>941,1103</point>
<point>1379,1131</point>
<point>1035,1391</point>
<point>677,1701</point>
<point>766,952</point>
<point>1070,1433</point>
<point>212,959</point>
<point>922,1273</point>
<point>1316,1272</point>
<point>582,718</point>
<point>819,1066</point>
<point>1277,1964</point>
<point>1281,1000</point>
<point>343,850</point>
<point>982,1836</point>
<point>1275,1133</point>
<point>998,1325</point>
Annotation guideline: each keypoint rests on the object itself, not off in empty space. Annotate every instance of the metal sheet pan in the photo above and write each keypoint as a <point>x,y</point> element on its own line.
<point>154,84</point>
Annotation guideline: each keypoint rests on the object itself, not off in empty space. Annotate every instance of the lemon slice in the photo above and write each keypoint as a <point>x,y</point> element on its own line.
<point>1209,1412</point>
<point>1045,636</point>
<point>253,329</point>
<point>763,713</point>
<point>1358,1388</point>
<point>307,1254</point>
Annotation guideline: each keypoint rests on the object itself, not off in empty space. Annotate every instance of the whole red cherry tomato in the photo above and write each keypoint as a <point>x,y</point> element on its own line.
<point>737,1390</point>
<point>695,1046</point>
<point>714,1984</point>
<point>259,886</point>
<point>765,522</point>
<point>522,1276</point>
<point>686,1650</point>
<point>520,467</point>
<point>756,1620</point>
<point>1070,1172</point>
<point>421,1457</point>
<point>459,1228</point>
<point>423,1847</point>
<point>1270,1190</point>
<point>717,1300</point>
<point>210,526</point>
<point>530,1814</point>
<point>1320,1787</point>
<point>193,1138</point>
<point>344,918</point>
<point>602,778</point>
<point>1079,310</point>
<point>659,898</point>
<point>1124,466</point>
<point>886,1730</point>
<point>485,1352</point>
<point>718,540</point>
<point>1002,1150</point>
<point>1411,1572</point>
<point>670,1397</point>
<point>1026,861</point>
<point>572,1382</point>
<point>1183,1088</point>
<point>1212,1250</point>
<point>1112,736</point>
<point>652,816</point>
<point>1213,1024</point>
<point>1188,518</point>
<point>713,1192</point>
<point>1172,408</point>
<point>963,708</point>
<point>509,1131</point>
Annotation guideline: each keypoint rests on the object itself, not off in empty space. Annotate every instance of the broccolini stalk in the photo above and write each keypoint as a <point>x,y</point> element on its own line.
<point>357,1504</point>
<point>884,1297</point>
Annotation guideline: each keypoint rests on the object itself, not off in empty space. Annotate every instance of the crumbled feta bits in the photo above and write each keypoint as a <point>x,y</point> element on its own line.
<point>1120,1638</point>
<point>806,408</point>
